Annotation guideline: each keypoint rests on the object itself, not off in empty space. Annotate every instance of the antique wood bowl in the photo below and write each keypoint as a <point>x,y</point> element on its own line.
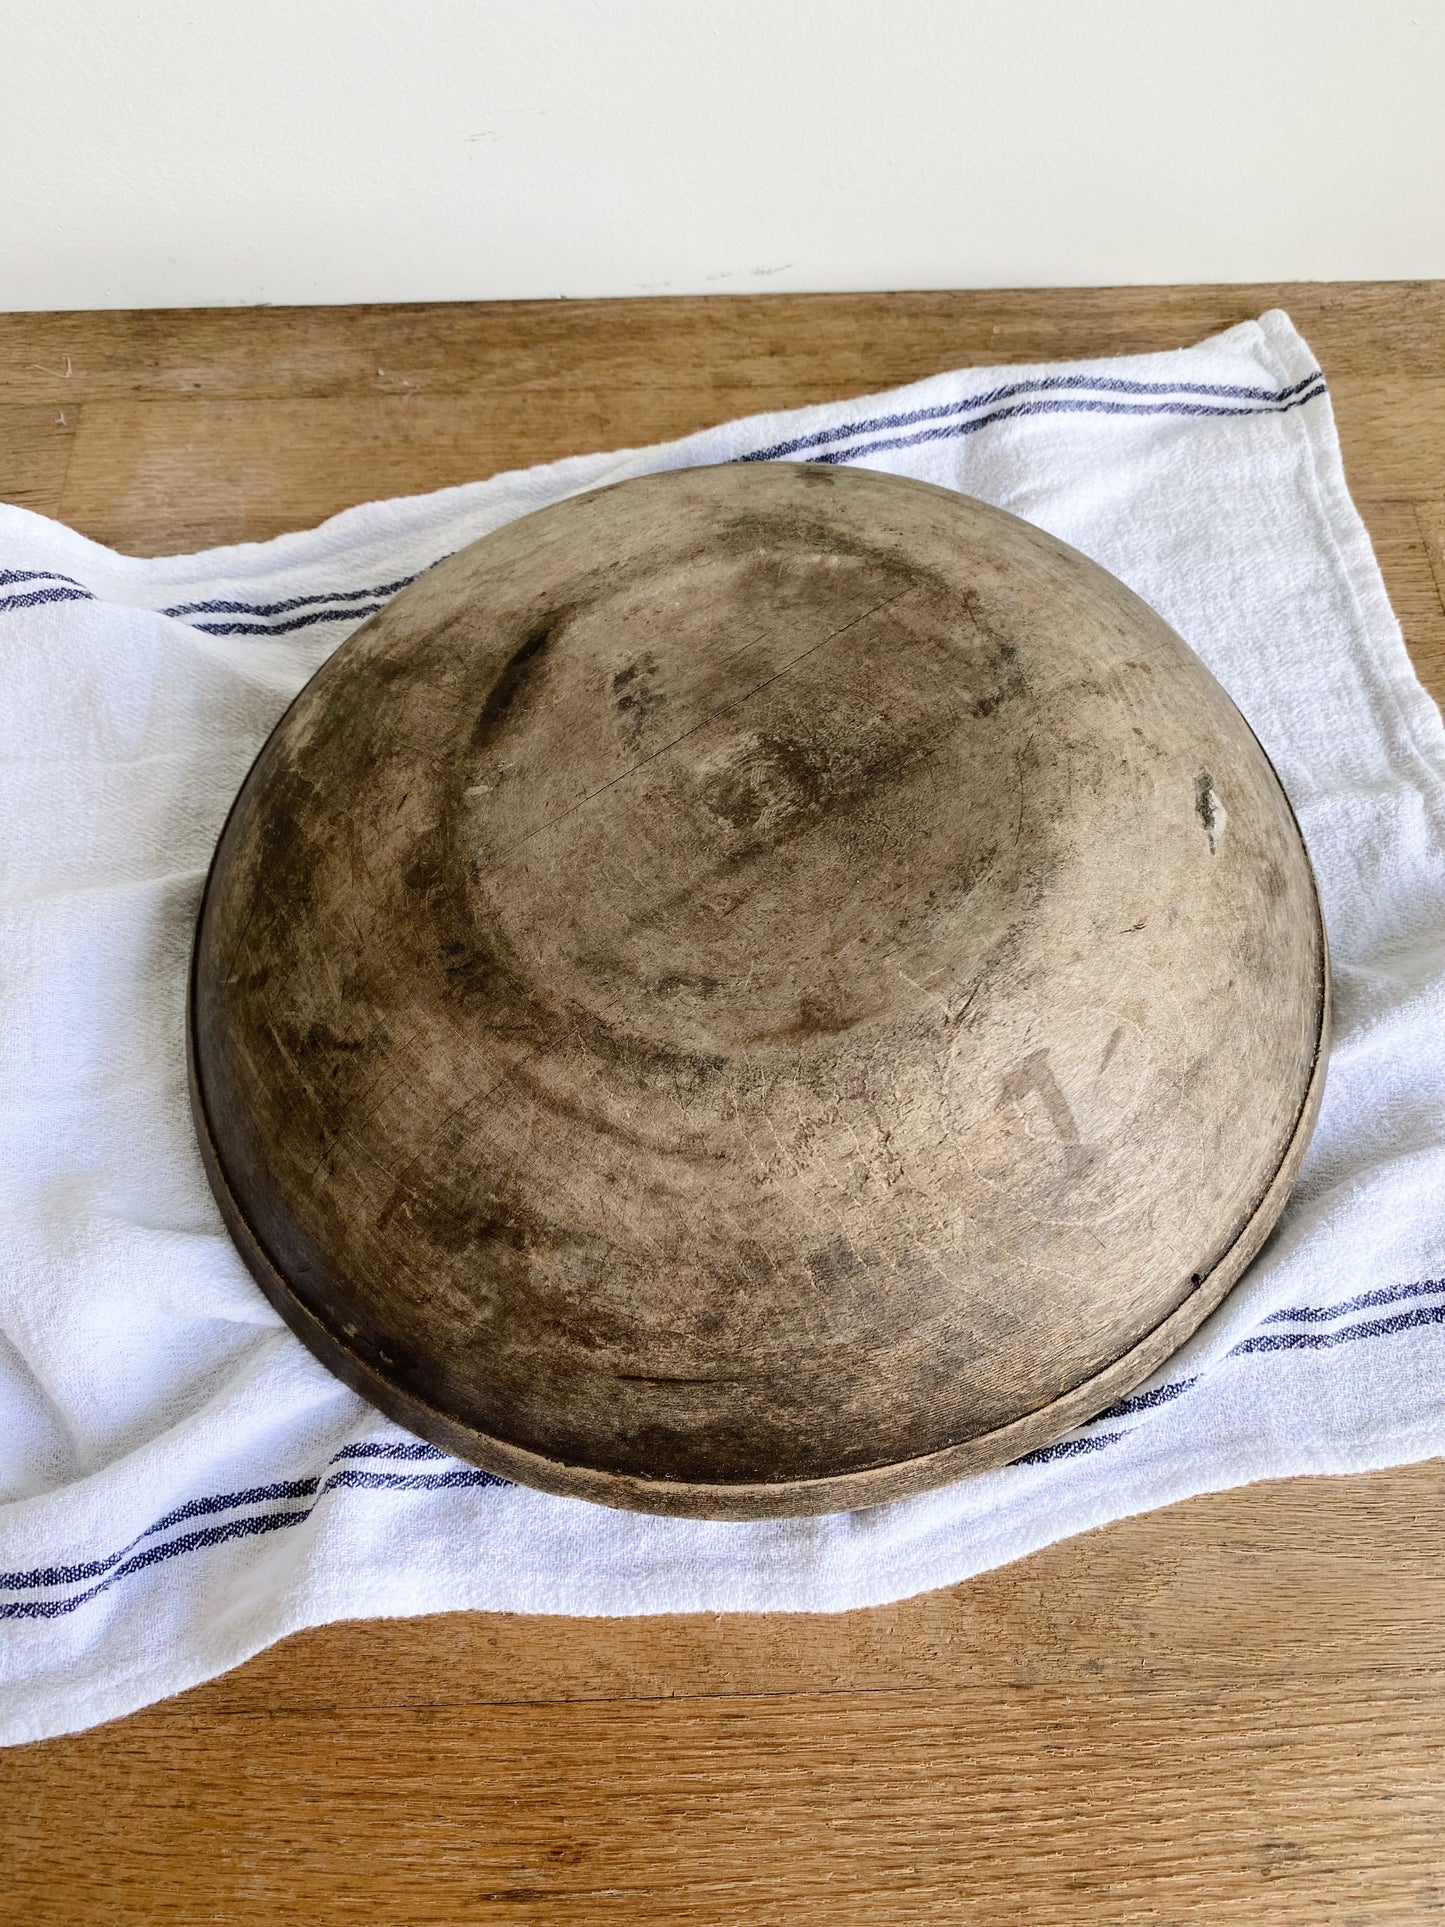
<point>756,991</point>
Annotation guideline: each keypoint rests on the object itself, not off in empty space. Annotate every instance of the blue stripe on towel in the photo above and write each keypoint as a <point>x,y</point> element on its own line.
<point>33,598</point>
<point>1065,1449</point>
<point>137,1556</point>
<point>287,628</point>
<point>953,430</point>
<point>1144,1401</point>
<point>1083,384</point>
<point>1367,1300</point>
<point>243,1528</point>
<point>1318,1341</point>
<point>37,575</point>
<point>222,607</point>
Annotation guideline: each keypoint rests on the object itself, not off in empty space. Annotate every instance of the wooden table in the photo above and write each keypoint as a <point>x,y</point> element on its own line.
<point>1231,1711</point>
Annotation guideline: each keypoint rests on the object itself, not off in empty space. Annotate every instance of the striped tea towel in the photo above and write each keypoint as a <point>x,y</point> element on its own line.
<point>181,1482</point>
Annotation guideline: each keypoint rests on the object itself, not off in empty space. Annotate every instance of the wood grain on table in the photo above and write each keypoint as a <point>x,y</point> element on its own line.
<point>1230,1711</point>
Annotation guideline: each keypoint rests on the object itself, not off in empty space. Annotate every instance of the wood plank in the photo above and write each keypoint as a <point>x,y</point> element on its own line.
<point>35,448</point>
<point>167,477</point>
<point>1392,431</point>
<point>747,351</point>
<point>1418,596</point>
<point>893,1807</point>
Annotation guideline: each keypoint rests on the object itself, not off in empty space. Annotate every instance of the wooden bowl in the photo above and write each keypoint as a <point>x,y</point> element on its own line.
<point>756,991</point>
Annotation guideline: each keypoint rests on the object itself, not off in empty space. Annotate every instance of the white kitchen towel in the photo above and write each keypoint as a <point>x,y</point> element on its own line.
<point>181,1483</point>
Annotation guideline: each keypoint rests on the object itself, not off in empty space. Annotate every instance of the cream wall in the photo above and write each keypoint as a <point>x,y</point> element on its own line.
<point>154,152</point>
